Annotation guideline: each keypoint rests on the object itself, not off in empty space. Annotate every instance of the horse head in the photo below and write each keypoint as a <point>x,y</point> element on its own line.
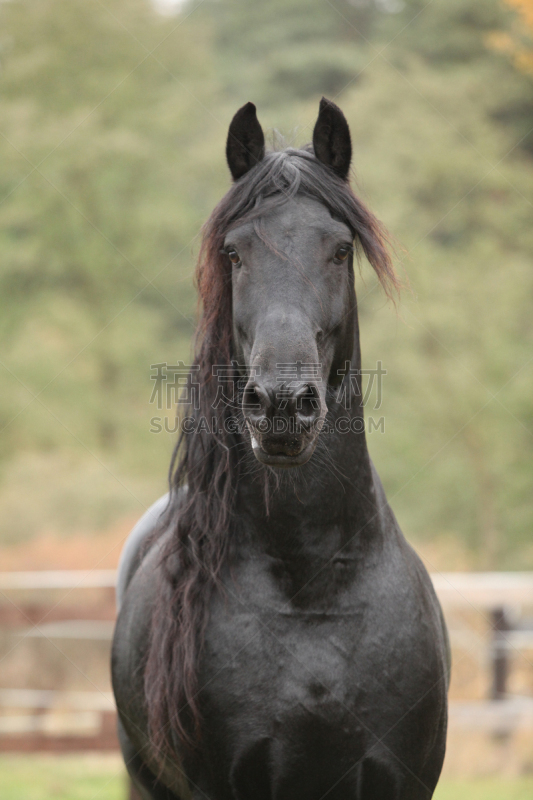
<point>293,294</point>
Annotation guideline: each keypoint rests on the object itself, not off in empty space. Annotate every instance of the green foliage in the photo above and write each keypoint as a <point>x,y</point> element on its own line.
<point>112,140</point>
<point>279,52</point>
<point>452,38</point>
<point>95,276</point>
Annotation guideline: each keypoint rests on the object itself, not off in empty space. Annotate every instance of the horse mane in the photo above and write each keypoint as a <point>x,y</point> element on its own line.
<point>201,519</point>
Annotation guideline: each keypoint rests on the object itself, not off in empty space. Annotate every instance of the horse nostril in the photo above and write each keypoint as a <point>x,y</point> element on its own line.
<point>252,401</point>
<point>308,403</point>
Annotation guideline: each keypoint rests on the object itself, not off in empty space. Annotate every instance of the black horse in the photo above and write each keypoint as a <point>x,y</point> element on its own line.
<point>278,639</point>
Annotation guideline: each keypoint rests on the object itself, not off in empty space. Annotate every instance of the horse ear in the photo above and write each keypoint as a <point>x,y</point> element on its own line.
<point>331,138</point>
<point>246,143</point>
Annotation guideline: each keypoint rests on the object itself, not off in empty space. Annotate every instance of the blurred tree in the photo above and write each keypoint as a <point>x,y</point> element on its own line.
<point>88,218</point>
<point>280,51</point>
<point>518,40</point>
<point>452,37</point>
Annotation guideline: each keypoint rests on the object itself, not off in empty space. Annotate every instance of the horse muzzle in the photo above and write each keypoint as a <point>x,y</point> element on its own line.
<point>283,423</point>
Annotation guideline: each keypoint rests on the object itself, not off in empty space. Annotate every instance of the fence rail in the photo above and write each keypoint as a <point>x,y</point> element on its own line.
<point>485,589</point>
<point>59,579</point>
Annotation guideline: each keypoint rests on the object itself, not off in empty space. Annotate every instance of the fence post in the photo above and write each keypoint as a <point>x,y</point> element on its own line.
<point>500,654</point>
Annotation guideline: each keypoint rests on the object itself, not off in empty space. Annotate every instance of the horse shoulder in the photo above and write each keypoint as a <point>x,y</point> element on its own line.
<point>416,596</point>
<point>134,547</point>
<point>137,586</point>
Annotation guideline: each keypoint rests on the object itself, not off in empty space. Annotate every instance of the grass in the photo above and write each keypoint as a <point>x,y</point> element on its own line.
<point>101,777</point>
<point>69,777</point>
<point>485,789</point>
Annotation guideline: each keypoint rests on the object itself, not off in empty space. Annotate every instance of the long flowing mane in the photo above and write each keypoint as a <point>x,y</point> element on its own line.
<point>201,518</point>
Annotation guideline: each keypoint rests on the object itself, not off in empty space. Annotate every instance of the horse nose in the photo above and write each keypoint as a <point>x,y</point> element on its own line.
<point>263,404</point>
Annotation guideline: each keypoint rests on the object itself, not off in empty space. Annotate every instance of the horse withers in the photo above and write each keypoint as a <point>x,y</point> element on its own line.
<point>278,639</point>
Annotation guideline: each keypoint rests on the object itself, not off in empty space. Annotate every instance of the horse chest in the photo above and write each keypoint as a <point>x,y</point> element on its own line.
<point>293,700</point>
<point>282,656</point>
<point>282,660</point>
<point>280,691</point>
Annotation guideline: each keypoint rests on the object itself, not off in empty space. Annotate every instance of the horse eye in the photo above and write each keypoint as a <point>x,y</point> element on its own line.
<point>233,256</point>
<point>342,253</point>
